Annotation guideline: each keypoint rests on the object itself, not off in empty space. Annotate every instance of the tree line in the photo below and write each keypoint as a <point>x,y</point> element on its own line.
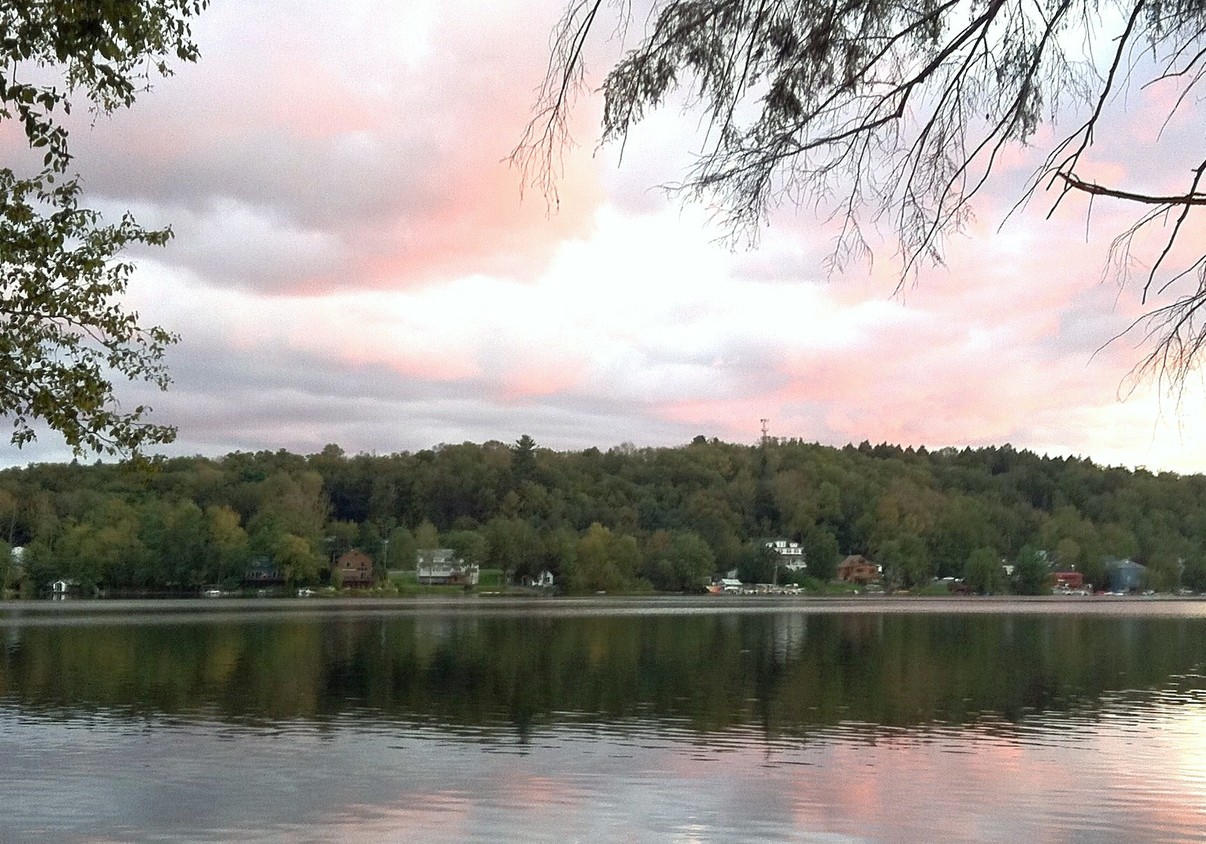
<point>624,519</point>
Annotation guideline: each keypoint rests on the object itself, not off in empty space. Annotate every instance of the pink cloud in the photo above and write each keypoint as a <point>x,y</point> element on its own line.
<point>402,169</point>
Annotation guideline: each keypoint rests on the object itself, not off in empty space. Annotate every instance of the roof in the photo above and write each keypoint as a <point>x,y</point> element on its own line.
<point>1125,565</point>
<point>353,557</point>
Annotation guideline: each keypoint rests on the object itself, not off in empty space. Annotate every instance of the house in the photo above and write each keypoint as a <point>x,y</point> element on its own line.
<point>1068,581</point>
<point>858,569</point>
<point>353,570</point>
<point>441,566</point>
<point>726,586</point>
<point>263,572</point>
<point>791,554</point>
<point>544,580</point>
<point>1125,575</point>
<point>62,587</point>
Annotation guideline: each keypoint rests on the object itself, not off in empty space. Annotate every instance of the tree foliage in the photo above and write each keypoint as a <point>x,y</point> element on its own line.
<point>64,335</point>
<point>1029,571</point>
<point>982,571</point>
<point>894,114</point>
<point>622,520</point>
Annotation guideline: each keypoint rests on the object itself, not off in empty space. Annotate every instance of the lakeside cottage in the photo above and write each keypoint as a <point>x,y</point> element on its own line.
<point>858,569</point>
<point>791,554</point>
<point>544,580</point>
<point>1068,581</point>
<point>353,570</point>
<point>63,586</point>
<point>262,572</point>
<point>441,566</point>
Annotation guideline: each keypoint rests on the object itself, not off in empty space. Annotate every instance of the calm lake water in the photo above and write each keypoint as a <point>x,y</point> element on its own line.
<point>658,720</point>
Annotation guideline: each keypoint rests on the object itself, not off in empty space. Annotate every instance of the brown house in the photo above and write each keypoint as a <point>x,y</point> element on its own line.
<point>353,570</point>
<point>858,569</point>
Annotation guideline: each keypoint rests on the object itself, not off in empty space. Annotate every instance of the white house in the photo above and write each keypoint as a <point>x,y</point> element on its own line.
<point>544,580</point>
<point>443,566</point>
<point>63,586</point>
<point>791,555</point>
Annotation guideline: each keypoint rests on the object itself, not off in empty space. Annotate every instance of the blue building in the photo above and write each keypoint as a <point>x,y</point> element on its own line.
<point>1125,576</point>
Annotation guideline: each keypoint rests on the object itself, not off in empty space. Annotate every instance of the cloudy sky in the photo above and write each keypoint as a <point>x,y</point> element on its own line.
<point>354,263</point>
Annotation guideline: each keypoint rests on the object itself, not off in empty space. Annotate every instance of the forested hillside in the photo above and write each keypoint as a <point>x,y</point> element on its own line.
<point>623,519</point>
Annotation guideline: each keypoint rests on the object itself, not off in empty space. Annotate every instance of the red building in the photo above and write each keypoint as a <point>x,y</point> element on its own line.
<point>858,569</point>
<point>353,570</point>
<point>1069,580</point>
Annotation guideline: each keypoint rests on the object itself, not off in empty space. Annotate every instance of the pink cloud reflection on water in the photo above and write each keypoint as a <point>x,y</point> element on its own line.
<point>1116,776</point>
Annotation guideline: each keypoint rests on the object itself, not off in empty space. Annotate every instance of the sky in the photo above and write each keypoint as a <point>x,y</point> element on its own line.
<point>355,262</point>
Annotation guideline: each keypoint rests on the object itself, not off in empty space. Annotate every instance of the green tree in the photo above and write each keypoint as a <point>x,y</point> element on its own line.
<point>513,546</point>
<point>6,560</point>
<point>604,562</point>
<point>469,545</point>
<point>9,509</point>
<point>821,553</point>
<point>1029,572</point>
<point>1194,575</point>
<point>177,539</point>
<point>898,112</point>
<point>982,572</point>
<point>426,535</point>
<point>297,559</point>
<point>106,550</point>
<point>41,567</point>
<point>227,543</point>
<point>906,561</point>
<point>677,562</point>
<point>64,336</point>
<point>340,535</point>
<point>756,563</point>
<point>291,502</point>
<point>523,461</point>
<point>401,551</point>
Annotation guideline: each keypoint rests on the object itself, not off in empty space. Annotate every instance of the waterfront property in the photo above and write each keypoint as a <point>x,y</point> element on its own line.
<point>63,586</point>
<point>543,580</point>
<point>1125,576</point>
<point>441,566</point>
<point>263,572</point>
<point>353,570</point>
<point>790,554</point>
<point>858,569</point>
<point>1068,580</point>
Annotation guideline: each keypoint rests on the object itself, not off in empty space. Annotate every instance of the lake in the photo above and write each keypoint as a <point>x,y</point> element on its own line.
<point>689,720</point>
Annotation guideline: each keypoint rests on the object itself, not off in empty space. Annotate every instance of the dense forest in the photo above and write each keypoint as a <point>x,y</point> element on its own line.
<point>625,519</point>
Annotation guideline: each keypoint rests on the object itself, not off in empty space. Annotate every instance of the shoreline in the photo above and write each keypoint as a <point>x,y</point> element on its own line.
<point>179,609</point>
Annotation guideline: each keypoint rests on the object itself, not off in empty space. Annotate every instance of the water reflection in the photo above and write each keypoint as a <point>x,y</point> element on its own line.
<point>770,726</point>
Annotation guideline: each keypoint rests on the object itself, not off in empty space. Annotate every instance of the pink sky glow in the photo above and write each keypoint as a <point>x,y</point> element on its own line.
<point>354,263</point>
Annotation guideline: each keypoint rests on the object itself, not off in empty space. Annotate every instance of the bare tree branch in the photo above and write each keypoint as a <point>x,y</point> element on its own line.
<point>898,111</point>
